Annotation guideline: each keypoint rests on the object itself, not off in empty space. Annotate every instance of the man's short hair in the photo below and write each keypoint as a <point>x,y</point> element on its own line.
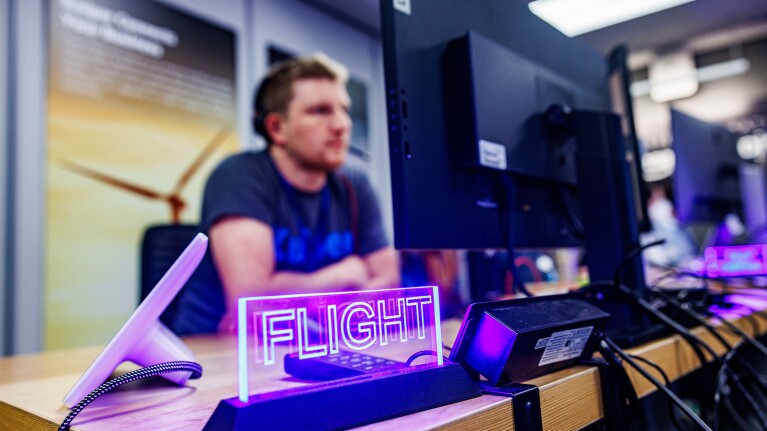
<point>276,89</point>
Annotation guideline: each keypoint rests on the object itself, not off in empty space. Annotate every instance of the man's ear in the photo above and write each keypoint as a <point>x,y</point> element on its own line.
<point>274,127</point>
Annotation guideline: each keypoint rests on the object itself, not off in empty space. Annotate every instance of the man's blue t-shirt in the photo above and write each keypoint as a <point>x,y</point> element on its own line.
<point>311,230</point>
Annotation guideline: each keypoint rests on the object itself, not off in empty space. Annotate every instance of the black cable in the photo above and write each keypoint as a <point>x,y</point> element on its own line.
<point>517,283</point>
<point>751,319</point>
<point>154,370</point>
<point>754,324</point>
<point>688,336</point>
<point>616,383</point>
<point>751,402</point>
<point>742,423</point>
<point>695,342</point>
<point>712,330</point>
<point>574,223</point>
<point>688,273</point>
<point>674,398</point>
<point>743,334</point>
<point>630,256</point>
<point>418,354</point>
<point>693,315</point>
<point>747,366</point>
<point>672,411</point>
<point>674,273</point>
<point>721,381</point>
<point>634,298</point>
<point>760,313</point>
<point>689,311</point>
<point>692,340</point>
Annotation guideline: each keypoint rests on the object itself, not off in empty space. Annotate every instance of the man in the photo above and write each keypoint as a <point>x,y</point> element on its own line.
<point>287,220</point>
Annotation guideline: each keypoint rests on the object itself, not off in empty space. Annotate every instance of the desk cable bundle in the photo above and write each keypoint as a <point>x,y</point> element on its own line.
<point>745,383</point>
<point>725,373</point>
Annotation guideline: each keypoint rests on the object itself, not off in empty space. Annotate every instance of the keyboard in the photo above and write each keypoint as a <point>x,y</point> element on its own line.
<point>338,365</point>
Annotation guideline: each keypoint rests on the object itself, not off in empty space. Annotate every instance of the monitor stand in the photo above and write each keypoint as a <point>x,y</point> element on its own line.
<point>609,218</point>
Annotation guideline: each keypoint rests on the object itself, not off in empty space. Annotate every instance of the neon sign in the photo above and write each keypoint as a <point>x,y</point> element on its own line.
<point>385,322</point>
<point>732,261</point>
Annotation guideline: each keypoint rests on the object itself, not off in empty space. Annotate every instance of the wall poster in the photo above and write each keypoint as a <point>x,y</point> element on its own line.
<point>141,106</point>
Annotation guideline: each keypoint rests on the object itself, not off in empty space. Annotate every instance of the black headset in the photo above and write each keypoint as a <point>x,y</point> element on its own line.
<point>259,118</point>
<point>258,124</point>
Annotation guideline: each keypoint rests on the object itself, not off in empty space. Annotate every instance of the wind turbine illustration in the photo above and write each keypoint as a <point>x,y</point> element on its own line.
<point>174,198</point>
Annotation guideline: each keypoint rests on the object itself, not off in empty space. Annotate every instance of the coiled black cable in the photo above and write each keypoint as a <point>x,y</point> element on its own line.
<point>154,370</point>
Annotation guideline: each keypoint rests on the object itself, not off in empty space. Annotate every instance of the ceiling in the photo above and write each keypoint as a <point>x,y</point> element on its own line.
<point>663,30</point>
<point>701,26</point>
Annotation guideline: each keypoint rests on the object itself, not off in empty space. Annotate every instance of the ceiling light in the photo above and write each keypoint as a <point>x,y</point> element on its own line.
<point>723,70</point>
<point>672,77</point>
<point>712,72</point>
<point>574,17</point>
<point>753,147</point>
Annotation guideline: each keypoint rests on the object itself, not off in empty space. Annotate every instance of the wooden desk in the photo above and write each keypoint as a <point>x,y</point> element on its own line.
<point>32,387</point>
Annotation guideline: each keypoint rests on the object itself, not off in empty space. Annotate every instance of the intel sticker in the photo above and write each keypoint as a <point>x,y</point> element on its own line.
<point>492,155</point>
<point>402,6</point>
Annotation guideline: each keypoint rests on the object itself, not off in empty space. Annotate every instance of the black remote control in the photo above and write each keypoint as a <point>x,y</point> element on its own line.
<point>338,365</point>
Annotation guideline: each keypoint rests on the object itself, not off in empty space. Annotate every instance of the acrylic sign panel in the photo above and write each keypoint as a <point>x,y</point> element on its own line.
<point>281,337</point>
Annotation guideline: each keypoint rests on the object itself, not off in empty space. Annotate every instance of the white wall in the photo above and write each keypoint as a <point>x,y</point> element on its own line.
<point>288,24</point>
<point>4,63</point>
<point>25,251</point>
<point>21,291</point>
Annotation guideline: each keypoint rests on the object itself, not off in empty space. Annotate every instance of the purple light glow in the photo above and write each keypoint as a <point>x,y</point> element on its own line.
<point>389,322</point>
<point>734,261</point>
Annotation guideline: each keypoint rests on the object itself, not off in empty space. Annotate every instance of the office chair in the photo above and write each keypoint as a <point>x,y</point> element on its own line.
<point>160,247</point>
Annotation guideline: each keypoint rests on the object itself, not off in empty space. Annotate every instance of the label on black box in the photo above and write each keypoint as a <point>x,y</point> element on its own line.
<point>564,345</point>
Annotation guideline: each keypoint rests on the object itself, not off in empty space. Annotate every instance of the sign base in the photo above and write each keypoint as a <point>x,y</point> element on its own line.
<point>347,403</point>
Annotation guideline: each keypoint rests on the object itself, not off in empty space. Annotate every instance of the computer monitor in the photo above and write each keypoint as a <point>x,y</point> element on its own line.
<point>453,120</point>
<point>706,177</point>
<point>143,339</point>
<point>619,80</point>
<point>469,89</point>
<point>753,186</point>
<point>501,136</point>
